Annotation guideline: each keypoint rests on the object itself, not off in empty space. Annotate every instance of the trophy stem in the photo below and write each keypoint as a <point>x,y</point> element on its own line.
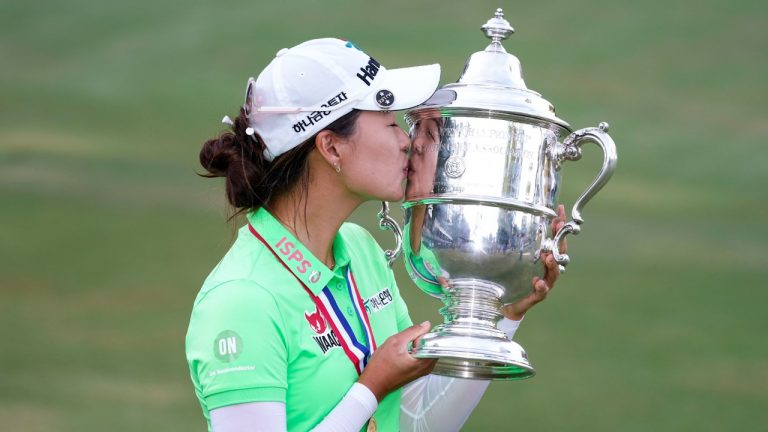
<point>472,301</point>
<point>468,343</point>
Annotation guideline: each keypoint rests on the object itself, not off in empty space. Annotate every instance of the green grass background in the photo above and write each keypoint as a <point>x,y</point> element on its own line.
<point>106,233</point>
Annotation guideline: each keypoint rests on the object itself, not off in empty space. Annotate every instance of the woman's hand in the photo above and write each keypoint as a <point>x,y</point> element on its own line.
<point>392,366</point>
<point>541,287</point>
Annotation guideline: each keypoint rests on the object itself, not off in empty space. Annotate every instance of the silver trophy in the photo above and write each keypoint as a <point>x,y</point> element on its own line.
<point>480,198</point>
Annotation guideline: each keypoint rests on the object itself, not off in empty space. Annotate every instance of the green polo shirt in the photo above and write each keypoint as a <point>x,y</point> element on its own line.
<point>255,335</point>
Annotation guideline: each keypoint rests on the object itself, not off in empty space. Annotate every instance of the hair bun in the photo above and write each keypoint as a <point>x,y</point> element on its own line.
<point>238,158</point>
<point>219,153</point>
<point>252,180</point>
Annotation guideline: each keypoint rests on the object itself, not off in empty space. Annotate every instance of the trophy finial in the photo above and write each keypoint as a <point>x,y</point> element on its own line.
<point>497,28</point>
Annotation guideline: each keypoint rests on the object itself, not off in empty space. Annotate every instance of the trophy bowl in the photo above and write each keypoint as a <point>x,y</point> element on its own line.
<point>480,197</point>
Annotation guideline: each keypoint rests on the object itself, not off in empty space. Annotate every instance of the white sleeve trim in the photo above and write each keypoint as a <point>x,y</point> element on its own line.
<point>349,415</point>
<point>509,326</point>
<point>251,417</point>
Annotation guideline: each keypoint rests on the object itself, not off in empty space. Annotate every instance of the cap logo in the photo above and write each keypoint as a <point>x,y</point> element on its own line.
<point>369,71</point>
<point>316,116</point>
<point>384,98</point>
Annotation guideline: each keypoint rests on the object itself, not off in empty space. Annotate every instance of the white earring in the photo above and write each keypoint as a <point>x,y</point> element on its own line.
<point>337,167</point>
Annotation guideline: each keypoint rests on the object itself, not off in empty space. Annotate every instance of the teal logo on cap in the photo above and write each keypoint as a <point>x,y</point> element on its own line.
<point>228,346</point>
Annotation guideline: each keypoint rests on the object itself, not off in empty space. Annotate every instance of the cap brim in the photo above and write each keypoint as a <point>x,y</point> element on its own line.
<point>410,87</point>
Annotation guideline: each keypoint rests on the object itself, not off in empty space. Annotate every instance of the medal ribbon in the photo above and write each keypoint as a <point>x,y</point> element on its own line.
<point>358,353</point>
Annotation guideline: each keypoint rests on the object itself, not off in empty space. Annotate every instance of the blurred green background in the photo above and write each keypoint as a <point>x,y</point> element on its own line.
<point>106,233</point>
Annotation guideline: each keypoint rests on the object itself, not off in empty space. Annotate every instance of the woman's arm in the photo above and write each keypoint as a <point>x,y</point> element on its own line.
<point>349,415</point>
<point>439,403</point>
<point>251,417</point>
<point>390,367</point>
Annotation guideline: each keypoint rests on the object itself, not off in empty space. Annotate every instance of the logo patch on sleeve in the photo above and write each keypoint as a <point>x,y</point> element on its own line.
<point>228,346</point>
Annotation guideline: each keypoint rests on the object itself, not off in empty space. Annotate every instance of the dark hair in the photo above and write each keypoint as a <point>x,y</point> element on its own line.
<point>251,180</point>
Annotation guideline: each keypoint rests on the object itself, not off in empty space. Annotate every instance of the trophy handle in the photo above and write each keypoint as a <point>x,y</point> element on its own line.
<point>570,149</point>
<point>387,223</point>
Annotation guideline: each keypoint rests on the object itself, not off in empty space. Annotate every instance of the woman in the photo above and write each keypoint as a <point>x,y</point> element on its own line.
<point>281,335</point>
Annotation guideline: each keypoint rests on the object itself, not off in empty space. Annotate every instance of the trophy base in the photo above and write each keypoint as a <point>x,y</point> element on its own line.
<point>484,358</point>
<point>468,344</point>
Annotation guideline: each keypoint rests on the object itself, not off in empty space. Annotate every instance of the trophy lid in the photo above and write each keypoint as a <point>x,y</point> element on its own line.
<point>492,80</point>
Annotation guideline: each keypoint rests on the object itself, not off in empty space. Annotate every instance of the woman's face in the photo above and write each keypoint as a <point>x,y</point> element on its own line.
<point>424,152</point>
<point>376,159</point>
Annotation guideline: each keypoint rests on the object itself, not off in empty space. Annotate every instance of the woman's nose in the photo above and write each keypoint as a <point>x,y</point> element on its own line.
<point>405,141</point>
<point>417,146</point>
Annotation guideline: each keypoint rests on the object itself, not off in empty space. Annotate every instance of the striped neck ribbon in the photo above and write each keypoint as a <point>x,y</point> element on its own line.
<point>358,352</point>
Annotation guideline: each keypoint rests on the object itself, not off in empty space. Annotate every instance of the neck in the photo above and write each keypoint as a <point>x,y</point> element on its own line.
<point>315,218</point>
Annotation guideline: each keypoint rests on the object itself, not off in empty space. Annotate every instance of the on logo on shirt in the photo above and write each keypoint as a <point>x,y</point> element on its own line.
<point>228,346</point>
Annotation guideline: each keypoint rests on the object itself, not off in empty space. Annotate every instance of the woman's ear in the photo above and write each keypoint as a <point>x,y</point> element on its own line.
<point>327,143</point>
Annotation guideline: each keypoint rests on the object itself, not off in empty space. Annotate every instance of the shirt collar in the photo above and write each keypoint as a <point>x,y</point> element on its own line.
<point>340,254</point>
<point>297,257</point>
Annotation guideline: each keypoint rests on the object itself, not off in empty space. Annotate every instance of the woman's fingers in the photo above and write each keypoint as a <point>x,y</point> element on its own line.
<point>557,224</point>
<point>541,286</point>
<point>539,293</point>
<point>415,344</point>
<point>416,341</point>
<point>552,269</point>
<point>415,331</point>
<point>392,366</point>
<point>517,310</point>
<point>559,219</point>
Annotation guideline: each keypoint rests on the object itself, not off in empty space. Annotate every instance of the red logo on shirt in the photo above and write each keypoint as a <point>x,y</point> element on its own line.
<point>325,337</point>
<point>316,322</point>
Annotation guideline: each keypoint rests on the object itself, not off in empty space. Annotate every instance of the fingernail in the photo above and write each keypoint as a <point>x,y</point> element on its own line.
<point>425,324</point>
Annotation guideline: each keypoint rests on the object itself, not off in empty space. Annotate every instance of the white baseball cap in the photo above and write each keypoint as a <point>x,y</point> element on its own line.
<point>309,86</point>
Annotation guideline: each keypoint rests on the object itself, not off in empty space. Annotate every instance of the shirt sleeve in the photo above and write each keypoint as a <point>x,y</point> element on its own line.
<point>351,414</point>
<point>439,403</point>
<point>236,347</point>
<point>508,326</point>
